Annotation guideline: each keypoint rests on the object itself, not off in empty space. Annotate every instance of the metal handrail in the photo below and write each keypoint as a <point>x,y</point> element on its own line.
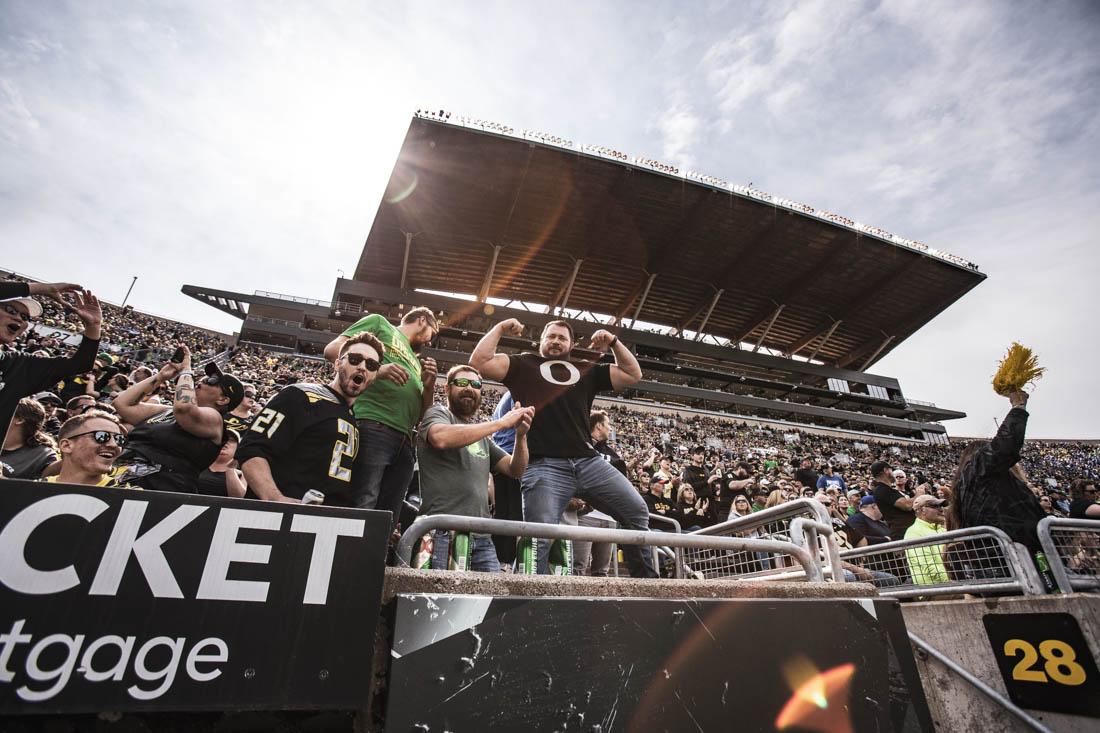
<point>424,524</point>
<point>980,686</point>
<point>1018,580</point>
<point>1066,582</point>
<point>799,508</point>
<point>677,553</point>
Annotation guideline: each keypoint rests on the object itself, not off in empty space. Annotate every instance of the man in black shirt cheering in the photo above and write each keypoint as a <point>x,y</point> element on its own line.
<point>563,463</point>
<point>306,438</point>
<point>21,375</point>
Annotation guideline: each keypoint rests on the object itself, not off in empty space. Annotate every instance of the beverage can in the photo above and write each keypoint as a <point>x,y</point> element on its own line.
<point>461,550</point>
<point>423,559</point>
<point>313,497</point>
<point>1043,565</point>
<point>561,557</point>
<point>525,556</point>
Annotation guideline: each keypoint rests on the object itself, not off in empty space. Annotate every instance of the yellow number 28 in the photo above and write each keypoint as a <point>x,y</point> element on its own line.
<point>1060,662</point>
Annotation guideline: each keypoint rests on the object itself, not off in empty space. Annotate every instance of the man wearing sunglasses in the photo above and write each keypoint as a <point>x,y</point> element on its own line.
<point>456,455</point>
<point>305,437</point>
<point>23,374</point>
<point>388,413</point>
<point>563,462</point>
<point>89,444</point>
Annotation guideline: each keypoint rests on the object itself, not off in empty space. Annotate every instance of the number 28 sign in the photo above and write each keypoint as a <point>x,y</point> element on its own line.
<point>1045,661</point>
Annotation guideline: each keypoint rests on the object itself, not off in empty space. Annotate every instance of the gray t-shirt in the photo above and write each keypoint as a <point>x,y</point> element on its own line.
<point>29,462</point>
<point>456,480</point>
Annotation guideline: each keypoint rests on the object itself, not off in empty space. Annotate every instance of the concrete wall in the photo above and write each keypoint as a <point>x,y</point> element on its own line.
<point>955,628</point>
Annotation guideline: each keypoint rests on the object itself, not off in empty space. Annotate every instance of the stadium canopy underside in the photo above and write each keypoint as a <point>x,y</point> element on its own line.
<point>490,215</point>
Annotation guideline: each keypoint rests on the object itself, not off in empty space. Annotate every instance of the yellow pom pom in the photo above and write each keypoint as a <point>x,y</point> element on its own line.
<point>1018,369</point>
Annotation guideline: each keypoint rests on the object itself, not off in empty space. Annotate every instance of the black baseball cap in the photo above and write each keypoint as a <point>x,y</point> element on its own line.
<point>879,466</point>
<point>230,385</point>
<point>48,398</point>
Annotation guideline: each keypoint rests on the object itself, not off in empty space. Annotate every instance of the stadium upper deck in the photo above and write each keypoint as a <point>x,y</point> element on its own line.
<point>473,208</point>
<point>761,306</point>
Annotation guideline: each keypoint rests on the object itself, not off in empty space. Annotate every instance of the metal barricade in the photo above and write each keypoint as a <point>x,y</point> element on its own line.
<point>424,524</point>
<point>675,554</point>
<point>777,523</point>
<point>973,560</point>
<point>1072,547</point>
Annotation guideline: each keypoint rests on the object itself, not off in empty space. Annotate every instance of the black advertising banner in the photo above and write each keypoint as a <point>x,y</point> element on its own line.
<point>139,601</point>
<point>1045,662</point>
<point>467,663</point>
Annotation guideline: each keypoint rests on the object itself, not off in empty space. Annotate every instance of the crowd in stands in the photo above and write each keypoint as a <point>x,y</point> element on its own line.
<point>698,469</point>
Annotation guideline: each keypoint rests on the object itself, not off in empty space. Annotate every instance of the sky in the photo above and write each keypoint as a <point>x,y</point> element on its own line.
<point>246,146</point>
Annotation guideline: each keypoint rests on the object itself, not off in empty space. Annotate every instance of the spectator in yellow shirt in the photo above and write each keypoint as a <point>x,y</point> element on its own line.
<point>926,563</point>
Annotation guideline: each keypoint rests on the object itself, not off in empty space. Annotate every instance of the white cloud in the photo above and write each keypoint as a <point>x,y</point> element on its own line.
<point>679,128</point>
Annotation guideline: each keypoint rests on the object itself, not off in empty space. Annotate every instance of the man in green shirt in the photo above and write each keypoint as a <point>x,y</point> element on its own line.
<point>926,563</point>
<point>388,412</point>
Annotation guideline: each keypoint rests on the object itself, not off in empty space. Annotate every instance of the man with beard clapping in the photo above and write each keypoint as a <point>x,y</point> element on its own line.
<point>455,455</point>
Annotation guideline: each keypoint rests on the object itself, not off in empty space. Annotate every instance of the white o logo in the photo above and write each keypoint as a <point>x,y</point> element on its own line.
<point>574,373</point>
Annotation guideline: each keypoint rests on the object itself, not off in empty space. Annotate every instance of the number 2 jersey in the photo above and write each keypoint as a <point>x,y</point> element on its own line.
<point>307,434</point>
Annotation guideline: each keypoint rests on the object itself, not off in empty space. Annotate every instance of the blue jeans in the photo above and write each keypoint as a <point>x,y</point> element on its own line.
<point>483,556</point>
<point>383,468</point>
<point>549,484</point>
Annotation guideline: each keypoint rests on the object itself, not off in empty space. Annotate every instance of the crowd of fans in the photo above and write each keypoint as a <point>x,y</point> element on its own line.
<point>697,469</point>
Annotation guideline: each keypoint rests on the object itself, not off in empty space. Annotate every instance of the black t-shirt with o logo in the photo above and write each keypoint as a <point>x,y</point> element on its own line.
<point>561,391</point>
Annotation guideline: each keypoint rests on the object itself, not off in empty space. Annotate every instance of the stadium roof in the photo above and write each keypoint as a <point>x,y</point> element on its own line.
<point>535,219</point>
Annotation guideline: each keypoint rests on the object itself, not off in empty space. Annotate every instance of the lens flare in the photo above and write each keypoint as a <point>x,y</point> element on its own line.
<point>405,192</point>
<point>820,700</point>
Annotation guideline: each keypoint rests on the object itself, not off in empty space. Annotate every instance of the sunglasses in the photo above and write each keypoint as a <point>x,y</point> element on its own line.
<point>356,359</point>
<point>14,312</point>
<point>250,395</point>
<point>103,436</point>
<point>466,382</point>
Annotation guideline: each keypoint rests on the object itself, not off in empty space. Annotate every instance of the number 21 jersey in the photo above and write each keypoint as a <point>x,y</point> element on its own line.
<point>307,434</point>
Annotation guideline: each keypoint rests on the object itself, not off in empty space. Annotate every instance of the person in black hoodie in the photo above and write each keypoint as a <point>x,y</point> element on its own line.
<point>21,375</point>
<point>989,487</point>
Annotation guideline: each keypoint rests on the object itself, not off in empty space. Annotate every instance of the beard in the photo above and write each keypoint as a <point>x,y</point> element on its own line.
<point>350,385</point>
<point>464,406</point>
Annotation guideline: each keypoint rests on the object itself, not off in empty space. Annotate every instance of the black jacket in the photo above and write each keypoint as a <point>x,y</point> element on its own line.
<point>988,494</point>
<point>21,375</point>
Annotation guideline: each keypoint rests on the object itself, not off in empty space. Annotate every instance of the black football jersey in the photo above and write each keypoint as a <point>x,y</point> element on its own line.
<point>307,434</point>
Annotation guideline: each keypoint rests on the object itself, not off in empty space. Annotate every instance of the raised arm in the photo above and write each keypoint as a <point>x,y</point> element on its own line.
<point>332,350</point>
<point>626,370</point>
<point>485,357</point>
<point>128,403</point>
<point>1009,441</point>
<point>515,464</point>
<point>202,422</point>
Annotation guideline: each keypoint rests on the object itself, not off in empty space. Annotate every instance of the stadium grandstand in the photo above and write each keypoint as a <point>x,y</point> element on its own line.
<point>755,320</point>
<point>737,302</point>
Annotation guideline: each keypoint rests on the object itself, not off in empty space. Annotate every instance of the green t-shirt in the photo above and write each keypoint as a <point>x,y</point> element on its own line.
<point>387,402</point>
